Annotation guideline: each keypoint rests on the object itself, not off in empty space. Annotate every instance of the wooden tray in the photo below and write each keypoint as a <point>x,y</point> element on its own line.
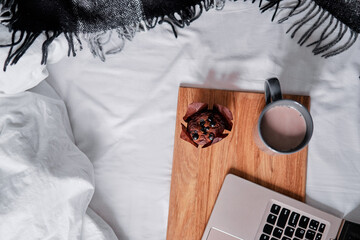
<point>197,173</point>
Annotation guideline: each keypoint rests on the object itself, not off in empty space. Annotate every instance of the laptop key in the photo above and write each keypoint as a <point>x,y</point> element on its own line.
<point>318,236</point>
<point>310,235</point>
<point>271,219</point>
<point>289,231</point>
<point>322,228</point>
<point>285,238</point>
<point>314,225</point>
<point>275,209</point>
<point>300,233</point>
<point>268,229</point>
<point>283,217</point>
<point>277,232</point>
<point>304,221</point>
<point>264,237</point>
<point>294,218</point>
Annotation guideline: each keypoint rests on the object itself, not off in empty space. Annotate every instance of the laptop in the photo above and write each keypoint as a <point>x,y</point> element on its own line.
<point>247,211</point>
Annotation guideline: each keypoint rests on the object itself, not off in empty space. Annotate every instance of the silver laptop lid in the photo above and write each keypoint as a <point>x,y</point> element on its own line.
<point>243,208</point>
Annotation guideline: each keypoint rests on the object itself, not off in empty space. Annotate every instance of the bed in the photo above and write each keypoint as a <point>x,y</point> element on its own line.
<point>121,116</point>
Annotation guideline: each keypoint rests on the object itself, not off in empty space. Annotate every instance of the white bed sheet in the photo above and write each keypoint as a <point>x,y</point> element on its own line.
<point>123,111</point>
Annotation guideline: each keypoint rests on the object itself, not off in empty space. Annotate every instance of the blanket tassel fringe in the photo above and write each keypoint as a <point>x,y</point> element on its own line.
<point>333,30</point>
<point>327,44</point>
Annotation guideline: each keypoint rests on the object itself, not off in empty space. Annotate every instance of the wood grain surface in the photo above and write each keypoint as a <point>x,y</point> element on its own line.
<point>197,173</point>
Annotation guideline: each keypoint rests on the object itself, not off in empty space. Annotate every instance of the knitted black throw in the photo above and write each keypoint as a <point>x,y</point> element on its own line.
<point>92,20</point>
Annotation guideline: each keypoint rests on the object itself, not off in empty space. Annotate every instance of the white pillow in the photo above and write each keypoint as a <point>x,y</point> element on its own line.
<point>28,71</point>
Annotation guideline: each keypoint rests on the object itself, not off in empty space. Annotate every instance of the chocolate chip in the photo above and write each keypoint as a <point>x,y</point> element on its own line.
<point>204,130</point>
<point>195,136</point>
<point>211,136</point>
<point>202,122</point>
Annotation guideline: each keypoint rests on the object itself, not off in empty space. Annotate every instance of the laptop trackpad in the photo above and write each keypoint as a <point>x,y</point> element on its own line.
<point>216,234</point>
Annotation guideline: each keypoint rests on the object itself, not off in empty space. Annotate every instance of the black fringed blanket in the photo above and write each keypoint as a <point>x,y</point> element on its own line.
<point>92,20</point>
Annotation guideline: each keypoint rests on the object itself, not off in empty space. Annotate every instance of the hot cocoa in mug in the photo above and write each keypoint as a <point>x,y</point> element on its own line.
<point>284,126</point>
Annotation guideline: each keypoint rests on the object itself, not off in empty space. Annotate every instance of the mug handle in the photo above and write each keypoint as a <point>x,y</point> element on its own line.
<point>272,90</point>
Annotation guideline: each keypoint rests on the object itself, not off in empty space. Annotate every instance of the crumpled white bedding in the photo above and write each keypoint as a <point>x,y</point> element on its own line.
<point>123,112</point>
<point>46,182</point>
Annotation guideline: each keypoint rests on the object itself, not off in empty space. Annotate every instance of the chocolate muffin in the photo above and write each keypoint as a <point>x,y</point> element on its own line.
<point>204,126</point>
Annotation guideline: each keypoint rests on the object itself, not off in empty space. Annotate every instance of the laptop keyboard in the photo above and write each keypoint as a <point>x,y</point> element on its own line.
<point>284,224</point>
